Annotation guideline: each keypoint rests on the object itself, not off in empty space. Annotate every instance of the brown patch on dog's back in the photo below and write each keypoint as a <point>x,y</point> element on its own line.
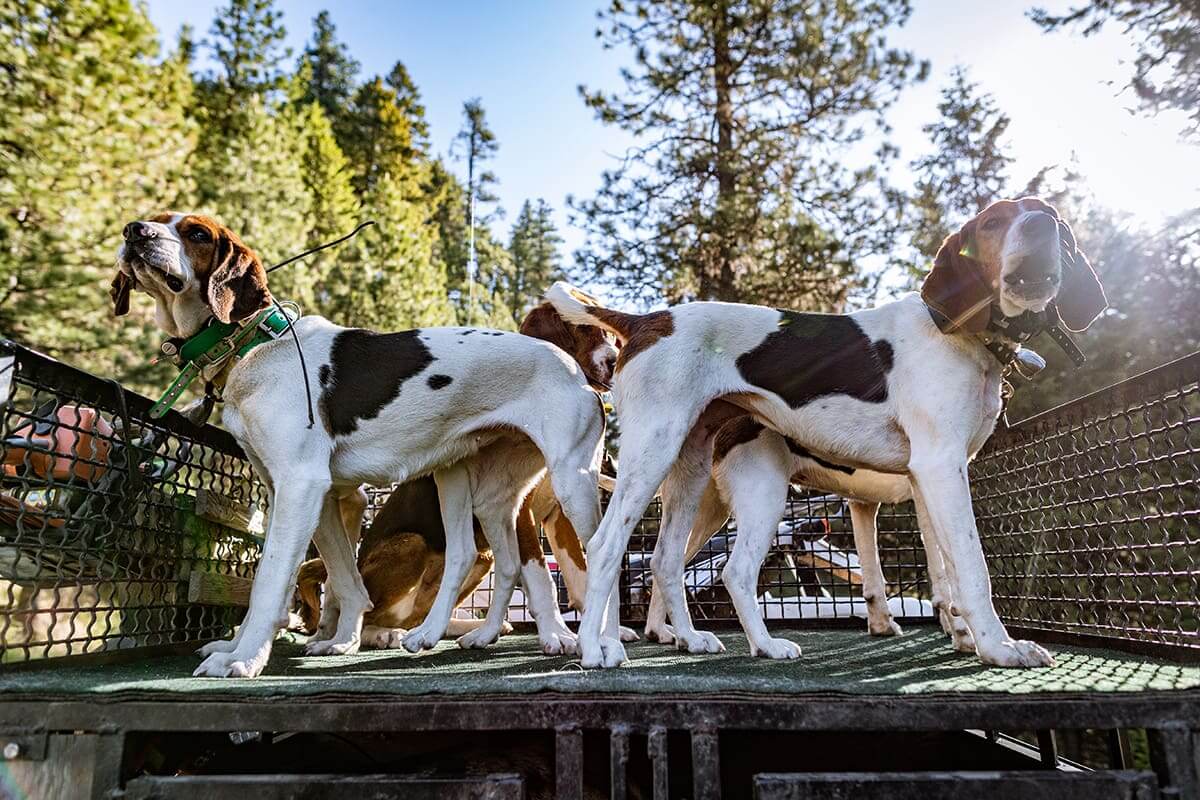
<point>639,332</point>
<point>733,433</point>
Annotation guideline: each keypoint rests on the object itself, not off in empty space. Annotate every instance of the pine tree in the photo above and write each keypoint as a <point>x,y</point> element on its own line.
<point>248,160</point>
<point>1166,72</point>
<point>331,70</point>
<point>82,85</point>
<point>740,110</point>
<point>408,98</point>
<point>476,144</point>
<point>247,39</point>
<point>333,207</point>
<point>966,168</point>
<point>389,278</point>
<point>536,262</point>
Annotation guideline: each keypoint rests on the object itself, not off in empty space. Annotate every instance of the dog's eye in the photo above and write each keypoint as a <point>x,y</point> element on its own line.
<point>199,235</point>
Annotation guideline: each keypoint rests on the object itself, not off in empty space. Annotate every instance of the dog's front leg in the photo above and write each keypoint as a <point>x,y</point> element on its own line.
<point>351,505</point>
<point>454,494</point>
<point>940,480</point>
<point>295,515</point>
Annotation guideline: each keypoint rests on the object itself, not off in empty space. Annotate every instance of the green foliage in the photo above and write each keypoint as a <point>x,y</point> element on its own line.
<point>92,129</point>
<point>966,167</point>
<point>331,70</point>
<point>742,111</point>
<point>1166,72</point>
<point>533,248</point>
<point>408,99</point>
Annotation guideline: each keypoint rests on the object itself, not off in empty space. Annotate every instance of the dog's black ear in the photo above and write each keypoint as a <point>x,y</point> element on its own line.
<point>957,287</point>
<point>121,287</point>
<point>237,282</point>
<point>1080,298</point>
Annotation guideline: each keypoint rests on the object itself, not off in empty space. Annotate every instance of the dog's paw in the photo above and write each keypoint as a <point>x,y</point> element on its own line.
<point>421,638</point>
<point>506,628</point>
<point>775,648</point>
<point>333,647</point>
<point>699,642</point>
<point>383,638</point>
<point>229,665</point>
<point>481,637</point>
<point>963,641</point>
<point>884,627</point>
<point>606,653</point>
<point>559,643</point>
<point>1017,653</point>
<point>659,632</point>
<point>219,646</point>
<point>628,634</point>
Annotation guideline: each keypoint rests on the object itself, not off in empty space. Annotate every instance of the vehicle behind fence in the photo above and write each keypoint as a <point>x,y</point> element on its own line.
<point>120,532</point>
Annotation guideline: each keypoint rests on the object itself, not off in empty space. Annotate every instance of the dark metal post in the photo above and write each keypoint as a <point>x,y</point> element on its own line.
<point>568,766</point>
<point>706,765</point>
<point>618,755</point>
<point>1173,756</point>
<point>657,748</point>
<point>1048,748</point>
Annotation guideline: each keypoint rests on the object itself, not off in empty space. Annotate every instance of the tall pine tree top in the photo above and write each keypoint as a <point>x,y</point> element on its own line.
<point>331,71</point>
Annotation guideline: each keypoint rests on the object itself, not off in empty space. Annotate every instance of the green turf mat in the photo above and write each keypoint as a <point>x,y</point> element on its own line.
<point>833,661</point>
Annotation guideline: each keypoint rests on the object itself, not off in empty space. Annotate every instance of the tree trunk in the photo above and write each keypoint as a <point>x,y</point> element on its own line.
<point>722,287</point>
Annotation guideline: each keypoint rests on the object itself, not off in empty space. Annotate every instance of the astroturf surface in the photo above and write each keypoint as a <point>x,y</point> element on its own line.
<point>833,661</point>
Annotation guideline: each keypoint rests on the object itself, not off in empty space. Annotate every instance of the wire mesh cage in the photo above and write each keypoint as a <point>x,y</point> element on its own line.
<point>115,531</point>
<point>1090,514</point>
<point>118,532</point>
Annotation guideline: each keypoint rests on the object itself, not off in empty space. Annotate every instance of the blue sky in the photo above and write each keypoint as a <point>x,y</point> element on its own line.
<point>526,58</point>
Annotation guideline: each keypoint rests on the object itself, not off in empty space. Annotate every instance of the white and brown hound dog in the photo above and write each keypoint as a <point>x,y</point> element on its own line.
<point>887,389</point>
<point>455,402</point>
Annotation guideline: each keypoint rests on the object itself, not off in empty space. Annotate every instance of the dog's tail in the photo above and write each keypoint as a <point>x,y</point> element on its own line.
<point>580,308</point>
<point>308,586</point>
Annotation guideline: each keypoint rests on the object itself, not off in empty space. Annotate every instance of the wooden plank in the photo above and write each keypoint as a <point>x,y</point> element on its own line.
<point>318,787</point>
<point>215,589</point>
<point>223,510</point>
<point>65,773</point>
<point>995,785</point>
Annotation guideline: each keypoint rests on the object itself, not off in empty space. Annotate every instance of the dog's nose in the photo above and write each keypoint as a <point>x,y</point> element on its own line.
<point>1039,226</point>
<point>138,232</point>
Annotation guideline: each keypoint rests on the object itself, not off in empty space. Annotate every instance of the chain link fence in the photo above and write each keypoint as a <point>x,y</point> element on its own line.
<point>119,532</point>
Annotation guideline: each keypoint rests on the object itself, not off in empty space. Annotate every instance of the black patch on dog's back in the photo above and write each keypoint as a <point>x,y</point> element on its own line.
<point>439,381</point>
<point>817,355</point>
<point>365,373</point>
<point>801,451</point>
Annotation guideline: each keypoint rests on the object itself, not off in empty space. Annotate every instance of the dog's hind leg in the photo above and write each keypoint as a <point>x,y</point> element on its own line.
<point>940,593</point>
<point>712,516</point>
<point>757,489</point>
<point>345,583</point>
<point>499,526</point>
<point>454,496</point>
<point>351,504</point>
<point>540,592</point>
<point>880,621</point>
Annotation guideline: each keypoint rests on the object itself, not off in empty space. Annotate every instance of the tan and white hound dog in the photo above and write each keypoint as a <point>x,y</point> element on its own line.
<point>887,389</point>
<point>455,402</point>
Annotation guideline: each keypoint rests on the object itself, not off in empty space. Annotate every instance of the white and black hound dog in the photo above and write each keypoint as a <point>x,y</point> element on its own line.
<point>448,401</point>
<point>752,469</point>
<point>888,389</point>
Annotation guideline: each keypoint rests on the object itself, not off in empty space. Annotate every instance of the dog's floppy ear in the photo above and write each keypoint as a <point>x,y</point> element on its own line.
<point>237,282</point>
<point>1080,297</point>
<point>957,287</point>
<point>545,323</point>
<point>122,285</point>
